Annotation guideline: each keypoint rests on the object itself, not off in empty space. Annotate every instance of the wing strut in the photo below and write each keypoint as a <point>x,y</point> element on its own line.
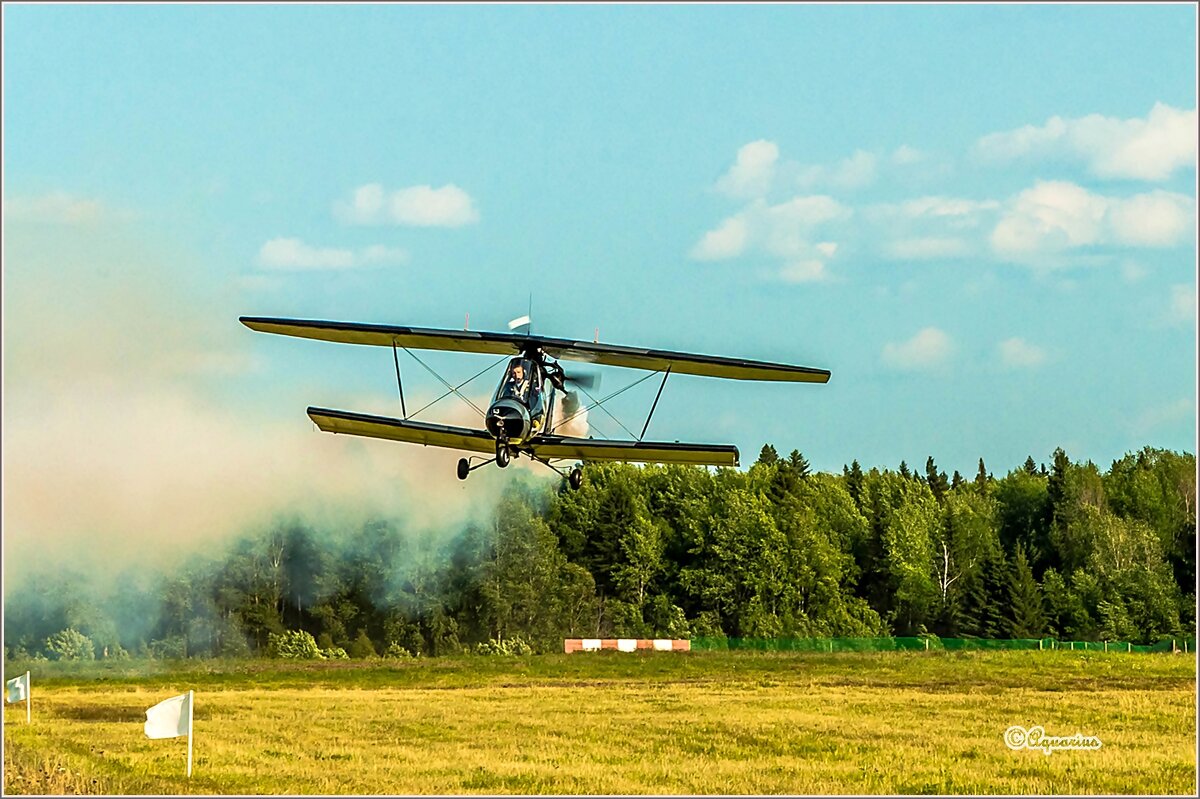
<point>399,385</point>
<point>542,460</point>
<point>663,385</point>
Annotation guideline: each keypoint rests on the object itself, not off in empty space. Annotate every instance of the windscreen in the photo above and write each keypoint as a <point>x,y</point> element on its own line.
<point>518,381</point>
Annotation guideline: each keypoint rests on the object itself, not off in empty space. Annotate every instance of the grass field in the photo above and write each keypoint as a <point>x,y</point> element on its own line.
<point>700,722</point>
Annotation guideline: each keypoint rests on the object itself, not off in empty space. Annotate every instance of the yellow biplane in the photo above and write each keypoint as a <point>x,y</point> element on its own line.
<point>533,400</point>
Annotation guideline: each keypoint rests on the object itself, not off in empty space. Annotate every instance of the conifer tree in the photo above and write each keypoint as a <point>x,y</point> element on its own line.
<point>800,465</point>
<point>1056,487</point>
<point>986,593</point>
<point>1025,600</point>
<point>768,455</point>
<point>936,480</point>
<point>854,483</point>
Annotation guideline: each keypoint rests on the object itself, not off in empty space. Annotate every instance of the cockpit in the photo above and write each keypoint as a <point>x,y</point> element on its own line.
<point>522,382</point>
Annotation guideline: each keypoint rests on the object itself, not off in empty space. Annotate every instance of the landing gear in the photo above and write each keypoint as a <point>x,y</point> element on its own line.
<point>464,468</point>
<point>575,478</point>
<point>502,454</point>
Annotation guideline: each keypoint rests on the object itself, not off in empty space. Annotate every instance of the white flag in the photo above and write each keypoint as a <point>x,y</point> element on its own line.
<point>18,688</point>
<point>170,718</point>
<point>522,321</point>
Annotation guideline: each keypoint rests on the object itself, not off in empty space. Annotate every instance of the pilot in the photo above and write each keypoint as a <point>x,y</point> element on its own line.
<point>517,382</point>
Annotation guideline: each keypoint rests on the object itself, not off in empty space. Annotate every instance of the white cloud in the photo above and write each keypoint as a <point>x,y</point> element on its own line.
<point>294,254</point>
<point>1150,148</point>
<point>927,350</point>
<point>1162,415</point>
<point>1156,219</point>
<point>1133,272</point>
<point>808,271</point>
<point>928,227</point>
<point>379,254</point>
<point>1017,353</point>
<point>850,173</point>
<point>419,206</point>
<point>808,211</point>
<point>366,206</point>
<point>752,172</point>
<point>728,240</point>
<point>1181,309</point>
<point>1027,139</point>
<point>926,248</point>
<point>905,155</point>
<point>1053,215</point>
<point>57,207</point>
<point>1056,215</point>
<point>784,230</point>
<point>945,208</point>
<point>827,248</point>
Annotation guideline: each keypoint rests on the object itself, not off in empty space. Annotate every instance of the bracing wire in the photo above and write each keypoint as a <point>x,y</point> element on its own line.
<point>461,396</point>
<point>460,385</point>
<point>601,402</point>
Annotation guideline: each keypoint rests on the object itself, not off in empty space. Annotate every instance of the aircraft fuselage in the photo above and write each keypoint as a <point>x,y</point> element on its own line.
<point>523,403</point>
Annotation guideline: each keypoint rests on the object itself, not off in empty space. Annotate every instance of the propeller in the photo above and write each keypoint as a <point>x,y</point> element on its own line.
<point>586,380</point>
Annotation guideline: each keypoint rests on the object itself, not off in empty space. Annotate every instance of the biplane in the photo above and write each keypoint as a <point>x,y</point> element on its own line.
<point>536,399</point>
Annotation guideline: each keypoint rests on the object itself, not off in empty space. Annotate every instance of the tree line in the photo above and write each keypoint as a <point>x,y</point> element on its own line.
<point>775,551</point>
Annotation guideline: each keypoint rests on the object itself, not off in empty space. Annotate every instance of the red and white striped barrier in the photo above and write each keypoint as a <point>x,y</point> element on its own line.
<point>626,644</point>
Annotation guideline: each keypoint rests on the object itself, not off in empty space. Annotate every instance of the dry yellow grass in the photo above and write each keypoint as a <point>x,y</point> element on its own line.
<point>798,725</point>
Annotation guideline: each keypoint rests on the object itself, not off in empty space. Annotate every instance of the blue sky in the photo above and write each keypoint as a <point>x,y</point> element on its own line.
<point>981,219</point>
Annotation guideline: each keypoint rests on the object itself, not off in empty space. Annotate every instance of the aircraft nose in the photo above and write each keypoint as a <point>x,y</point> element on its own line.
<point>505,422</point>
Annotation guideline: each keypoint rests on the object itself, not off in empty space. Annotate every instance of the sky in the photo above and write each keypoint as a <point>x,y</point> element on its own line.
<point>980,219</point>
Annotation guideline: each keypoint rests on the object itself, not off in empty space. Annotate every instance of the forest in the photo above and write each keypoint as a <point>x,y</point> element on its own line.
<point>776,551</point>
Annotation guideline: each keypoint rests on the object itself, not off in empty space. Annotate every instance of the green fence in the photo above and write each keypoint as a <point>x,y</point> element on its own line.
<point>930,643</point>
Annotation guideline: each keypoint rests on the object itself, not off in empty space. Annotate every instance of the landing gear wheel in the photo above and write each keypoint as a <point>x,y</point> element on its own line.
<point>575,478</point>
<point>464,468</point>
<point>502,455</point>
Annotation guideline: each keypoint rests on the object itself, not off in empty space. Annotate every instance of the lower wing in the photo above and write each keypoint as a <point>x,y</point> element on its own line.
<point>413,432</point>
<point>591,449</point>
<point>549,447</point>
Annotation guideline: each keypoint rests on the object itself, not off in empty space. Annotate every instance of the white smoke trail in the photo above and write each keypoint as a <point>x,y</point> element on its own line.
<point>570,417</point>
<point>137,427</point>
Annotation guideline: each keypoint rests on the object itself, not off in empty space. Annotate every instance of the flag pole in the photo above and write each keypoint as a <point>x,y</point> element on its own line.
<point>189,770</point>
<point>28,701</point>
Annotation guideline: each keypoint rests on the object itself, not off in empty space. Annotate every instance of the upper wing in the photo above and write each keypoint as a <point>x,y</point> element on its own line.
<point>589,449</point>
<point>681,363</point>
<point>513,343</point>
<point>419,338</point>
<point>430,435</point>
